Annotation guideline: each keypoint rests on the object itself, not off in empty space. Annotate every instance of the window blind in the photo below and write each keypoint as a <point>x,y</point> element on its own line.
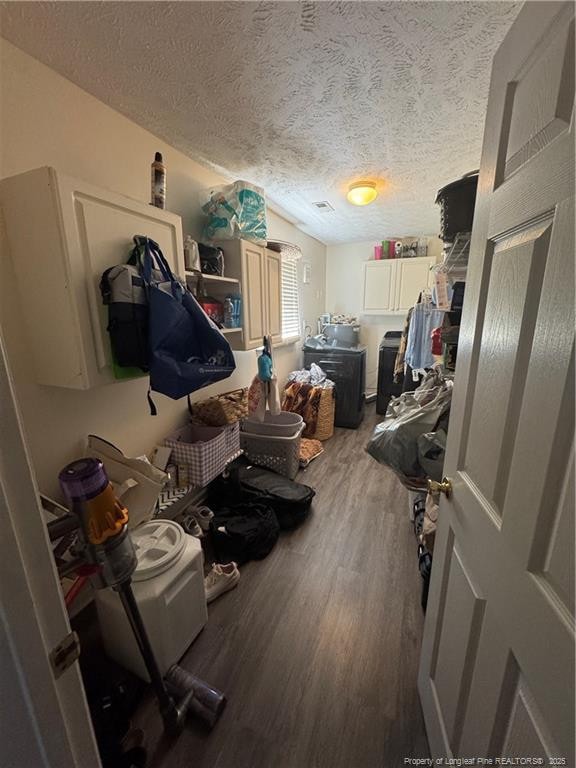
<point>290,299</point>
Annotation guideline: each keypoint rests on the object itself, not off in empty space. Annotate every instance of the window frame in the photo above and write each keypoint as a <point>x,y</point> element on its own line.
<point>290,296</point>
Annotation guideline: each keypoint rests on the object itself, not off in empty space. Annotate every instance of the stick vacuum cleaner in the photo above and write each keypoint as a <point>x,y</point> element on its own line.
<point>107,555</point>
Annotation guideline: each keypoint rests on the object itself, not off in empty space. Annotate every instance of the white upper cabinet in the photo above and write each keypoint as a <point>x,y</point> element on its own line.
<point>393,285</point>
<point>273,284</point>
<point>379,286</point>
<point>63,234</point>
<point>260,273</point>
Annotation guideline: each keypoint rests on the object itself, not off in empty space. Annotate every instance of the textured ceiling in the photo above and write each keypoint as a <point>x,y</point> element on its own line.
<point>300,97</point>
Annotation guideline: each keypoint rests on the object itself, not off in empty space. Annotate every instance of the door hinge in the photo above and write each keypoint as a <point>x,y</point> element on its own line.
<point>65,654</point>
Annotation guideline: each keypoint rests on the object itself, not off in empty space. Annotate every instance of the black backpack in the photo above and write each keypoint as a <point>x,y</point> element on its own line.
<point>290,500</point>
<point>243,532</point>
<point>124,293</point>
<point>211,259</point>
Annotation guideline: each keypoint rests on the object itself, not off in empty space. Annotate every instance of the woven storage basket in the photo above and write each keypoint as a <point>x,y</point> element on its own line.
<point>325,421</point>
<point>205,451</point>
<point>219,410</point>
<point>281,454</point>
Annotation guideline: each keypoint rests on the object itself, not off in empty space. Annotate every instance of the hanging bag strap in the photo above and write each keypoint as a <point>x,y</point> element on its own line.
<point>153,258</point>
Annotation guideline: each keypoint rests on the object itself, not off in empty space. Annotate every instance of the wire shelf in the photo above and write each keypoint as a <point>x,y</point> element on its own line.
<point>455,261</point>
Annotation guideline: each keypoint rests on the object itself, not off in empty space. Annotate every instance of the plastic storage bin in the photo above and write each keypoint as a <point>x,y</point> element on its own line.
<point>281,454</point>
<point>284,424</point>
<point>168,585</point>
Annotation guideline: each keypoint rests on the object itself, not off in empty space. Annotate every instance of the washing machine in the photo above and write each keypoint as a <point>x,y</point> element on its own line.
<point>386,388</point>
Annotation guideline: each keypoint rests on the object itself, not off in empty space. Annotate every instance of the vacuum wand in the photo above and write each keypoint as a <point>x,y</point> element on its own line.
<point>106,546</point>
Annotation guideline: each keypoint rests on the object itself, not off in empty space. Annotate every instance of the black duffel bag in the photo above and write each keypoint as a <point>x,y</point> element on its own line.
<point>242,532</point>
<point>290,500</point>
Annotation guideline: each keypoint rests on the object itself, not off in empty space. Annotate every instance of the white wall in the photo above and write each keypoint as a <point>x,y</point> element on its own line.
<point>47,120</point>
<point>344,291</point>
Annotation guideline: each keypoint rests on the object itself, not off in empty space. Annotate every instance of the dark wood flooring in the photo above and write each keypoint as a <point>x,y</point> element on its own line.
<point>317,648</point>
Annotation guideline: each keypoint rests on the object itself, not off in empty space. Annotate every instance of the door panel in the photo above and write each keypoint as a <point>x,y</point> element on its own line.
<point>274,295</point>
<point>254,294</point>
<point>500,609</point>
<point>457,646</point>
<point>548,80</point>
<point>412,276</point>
<point>379,286</point>
<point>555,563</point>
<point>511,307</point>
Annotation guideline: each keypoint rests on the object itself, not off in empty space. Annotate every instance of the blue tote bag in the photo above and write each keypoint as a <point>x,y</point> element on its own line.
<point>187,351</point>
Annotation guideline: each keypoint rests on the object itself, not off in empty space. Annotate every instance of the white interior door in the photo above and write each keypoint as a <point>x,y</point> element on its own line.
<point>44,719</point>
<point>497,666</point>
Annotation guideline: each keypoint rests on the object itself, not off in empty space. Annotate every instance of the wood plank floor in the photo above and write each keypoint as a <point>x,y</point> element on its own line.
<point>317,648</point>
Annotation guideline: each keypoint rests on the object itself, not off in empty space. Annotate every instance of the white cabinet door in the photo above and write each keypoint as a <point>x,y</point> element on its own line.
<point>253,294</point>
<point>63,235</point>
<point>273,286</point>
<point>412,276</point>
<point>379,287</point>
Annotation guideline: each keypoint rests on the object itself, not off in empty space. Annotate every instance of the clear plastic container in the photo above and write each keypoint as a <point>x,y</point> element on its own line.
<point>168,585</point>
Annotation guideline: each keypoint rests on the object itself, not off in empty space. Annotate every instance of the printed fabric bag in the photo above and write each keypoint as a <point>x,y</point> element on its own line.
<point>187,351</point>
<point>236,210</point>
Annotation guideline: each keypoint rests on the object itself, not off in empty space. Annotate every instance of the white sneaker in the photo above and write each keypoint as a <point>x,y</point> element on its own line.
<point>203,515</point>
<point>220,579</point>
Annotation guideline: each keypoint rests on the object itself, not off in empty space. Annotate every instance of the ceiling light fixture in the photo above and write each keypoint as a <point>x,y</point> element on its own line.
<point>362,193</point>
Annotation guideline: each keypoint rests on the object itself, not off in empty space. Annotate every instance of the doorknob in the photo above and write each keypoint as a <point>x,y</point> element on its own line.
<point>444,487</point>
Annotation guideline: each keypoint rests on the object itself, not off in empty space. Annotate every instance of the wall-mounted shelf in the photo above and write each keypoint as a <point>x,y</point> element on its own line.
<point>213,278</point>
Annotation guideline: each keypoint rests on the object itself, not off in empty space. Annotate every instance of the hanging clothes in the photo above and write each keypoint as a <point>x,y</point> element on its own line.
<point>399,363</point>
<point>425,317</point>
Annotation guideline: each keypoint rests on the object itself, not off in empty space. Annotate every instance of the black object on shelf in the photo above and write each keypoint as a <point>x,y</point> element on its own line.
<point>347,369</point>
<point>456,201</point>
<point>386,388</point>
<point>458,296</point>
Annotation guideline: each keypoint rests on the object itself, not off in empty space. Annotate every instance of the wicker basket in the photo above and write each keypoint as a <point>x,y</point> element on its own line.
<point>280,454</point>
<point>325,421</point>
<point>220,410</point>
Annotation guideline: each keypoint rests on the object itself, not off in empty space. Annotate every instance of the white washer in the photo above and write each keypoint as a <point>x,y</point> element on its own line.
<point>168,585</point>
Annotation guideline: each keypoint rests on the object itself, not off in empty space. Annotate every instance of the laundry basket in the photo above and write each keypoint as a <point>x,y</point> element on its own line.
<point>280,454</point>
<point>325,421</point>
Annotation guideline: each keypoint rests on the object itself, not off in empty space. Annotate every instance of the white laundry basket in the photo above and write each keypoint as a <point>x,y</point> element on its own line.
<point>280,454</point>
<point>168,585</point>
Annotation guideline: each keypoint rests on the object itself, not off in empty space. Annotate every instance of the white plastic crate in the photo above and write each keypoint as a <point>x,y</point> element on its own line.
<point>204,450</point>
<point>281,454</point>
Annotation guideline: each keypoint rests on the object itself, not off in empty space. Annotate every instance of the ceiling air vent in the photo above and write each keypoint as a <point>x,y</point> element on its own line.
<point>323,206</point>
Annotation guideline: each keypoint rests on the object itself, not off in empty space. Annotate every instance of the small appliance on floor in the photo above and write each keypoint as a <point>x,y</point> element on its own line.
<point>106,554</point>
<point>343,360</point>
<point>386,387</point>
